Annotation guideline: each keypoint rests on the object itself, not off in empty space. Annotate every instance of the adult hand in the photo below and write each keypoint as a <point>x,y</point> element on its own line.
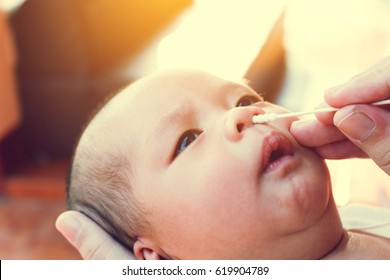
<point>357,129</point>
<point>92,242</point>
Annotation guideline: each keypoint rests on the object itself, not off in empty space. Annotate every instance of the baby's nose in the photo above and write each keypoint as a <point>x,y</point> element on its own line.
<point>238,119</point>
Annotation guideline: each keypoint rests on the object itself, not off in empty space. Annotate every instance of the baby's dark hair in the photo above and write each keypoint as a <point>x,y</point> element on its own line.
<point>99,185</point>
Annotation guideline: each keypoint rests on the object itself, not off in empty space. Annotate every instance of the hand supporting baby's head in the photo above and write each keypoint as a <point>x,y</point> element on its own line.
<point>174,167</point>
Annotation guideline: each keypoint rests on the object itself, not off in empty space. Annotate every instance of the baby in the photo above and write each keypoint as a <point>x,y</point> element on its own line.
<point>173,168</point>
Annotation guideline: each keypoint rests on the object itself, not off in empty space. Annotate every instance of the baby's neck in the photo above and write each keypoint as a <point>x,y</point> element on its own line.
<point>359,245</point>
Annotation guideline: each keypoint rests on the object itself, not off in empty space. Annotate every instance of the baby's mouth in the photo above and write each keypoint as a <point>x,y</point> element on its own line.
<point>277,149</point>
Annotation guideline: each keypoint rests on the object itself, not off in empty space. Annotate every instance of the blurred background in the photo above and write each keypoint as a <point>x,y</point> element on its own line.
<point>60,59</point>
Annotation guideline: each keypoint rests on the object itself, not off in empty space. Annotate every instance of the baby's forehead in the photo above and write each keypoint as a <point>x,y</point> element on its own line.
<point>179,83</point>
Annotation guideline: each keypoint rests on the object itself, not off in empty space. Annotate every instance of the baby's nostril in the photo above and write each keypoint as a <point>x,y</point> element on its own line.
<point>240,127</point>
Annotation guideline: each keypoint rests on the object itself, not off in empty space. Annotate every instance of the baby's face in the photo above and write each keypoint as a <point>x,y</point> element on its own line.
<point>214,184</point>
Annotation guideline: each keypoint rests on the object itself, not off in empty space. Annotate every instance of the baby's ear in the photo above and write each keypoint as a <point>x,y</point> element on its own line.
<point>145,249</point>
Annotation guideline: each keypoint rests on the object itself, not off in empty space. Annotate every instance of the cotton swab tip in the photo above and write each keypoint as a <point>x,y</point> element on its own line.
<point>264,118</point>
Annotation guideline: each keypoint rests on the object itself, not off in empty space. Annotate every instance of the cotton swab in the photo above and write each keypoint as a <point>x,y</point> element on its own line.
<point>273,116</point>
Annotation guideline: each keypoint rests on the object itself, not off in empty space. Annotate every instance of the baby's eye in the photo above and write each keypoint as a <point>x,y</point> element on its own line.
<point>185,140</point>
<point>247,100</point>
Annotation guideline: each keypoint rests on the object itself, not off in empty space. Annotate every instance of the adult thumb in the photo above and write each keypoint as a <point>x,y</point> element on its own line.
<point>368,127</point>
<point>92,242</point>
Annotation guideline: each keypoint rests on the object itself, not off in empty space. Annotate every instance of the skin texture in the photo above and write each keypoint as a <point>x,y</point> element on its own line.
<point>218,199</point>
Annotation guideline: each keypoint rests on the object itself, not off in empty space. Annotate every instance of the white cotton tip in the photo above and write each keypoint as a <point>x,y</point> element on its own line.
<point>264,118</point>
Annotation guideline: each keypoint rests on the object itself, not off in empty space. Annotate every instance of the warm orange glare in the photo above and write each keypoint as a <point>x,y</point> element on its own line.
<point>219,36</point>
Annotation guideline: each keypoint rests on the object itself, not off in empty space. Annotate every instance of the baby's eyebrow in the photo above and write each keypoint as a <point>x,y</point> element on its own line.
<point>179,114</point>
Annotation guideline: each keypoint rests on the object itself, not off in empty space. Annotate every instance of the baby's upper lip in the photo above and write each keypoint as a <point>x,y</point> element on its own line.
<point>274,144</point>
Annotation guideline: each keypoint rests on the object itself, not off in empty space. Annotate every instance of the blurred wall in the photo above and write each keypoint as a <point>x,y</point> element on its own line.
<point>9,105</point>
<point>71,53</point>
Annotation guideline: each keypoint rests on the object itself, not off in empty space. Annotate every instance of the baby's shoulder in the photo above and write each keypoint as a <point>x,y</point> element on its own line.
<point>367,246</point>
<point>367,233</point>
<point>358,245</point>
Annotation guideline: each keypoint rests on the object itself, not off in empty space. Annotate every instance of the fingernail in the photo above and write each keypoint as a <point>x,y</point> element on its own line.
<point>69,227</point>
<point>355,124</point>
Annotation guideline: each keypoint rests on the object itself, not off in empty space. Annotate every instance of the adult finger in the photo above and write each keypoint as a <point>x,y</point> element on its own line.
<point>340,150</point>
<point>313,133</point>
<point>368,127</point>
<point>327,140</point>
<point>89,239</point>
<point>369,86</point>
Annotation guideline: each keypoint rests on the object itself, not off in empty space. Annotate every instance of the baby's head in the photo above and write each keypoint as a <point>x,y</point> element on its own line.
<point>173,167</point>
